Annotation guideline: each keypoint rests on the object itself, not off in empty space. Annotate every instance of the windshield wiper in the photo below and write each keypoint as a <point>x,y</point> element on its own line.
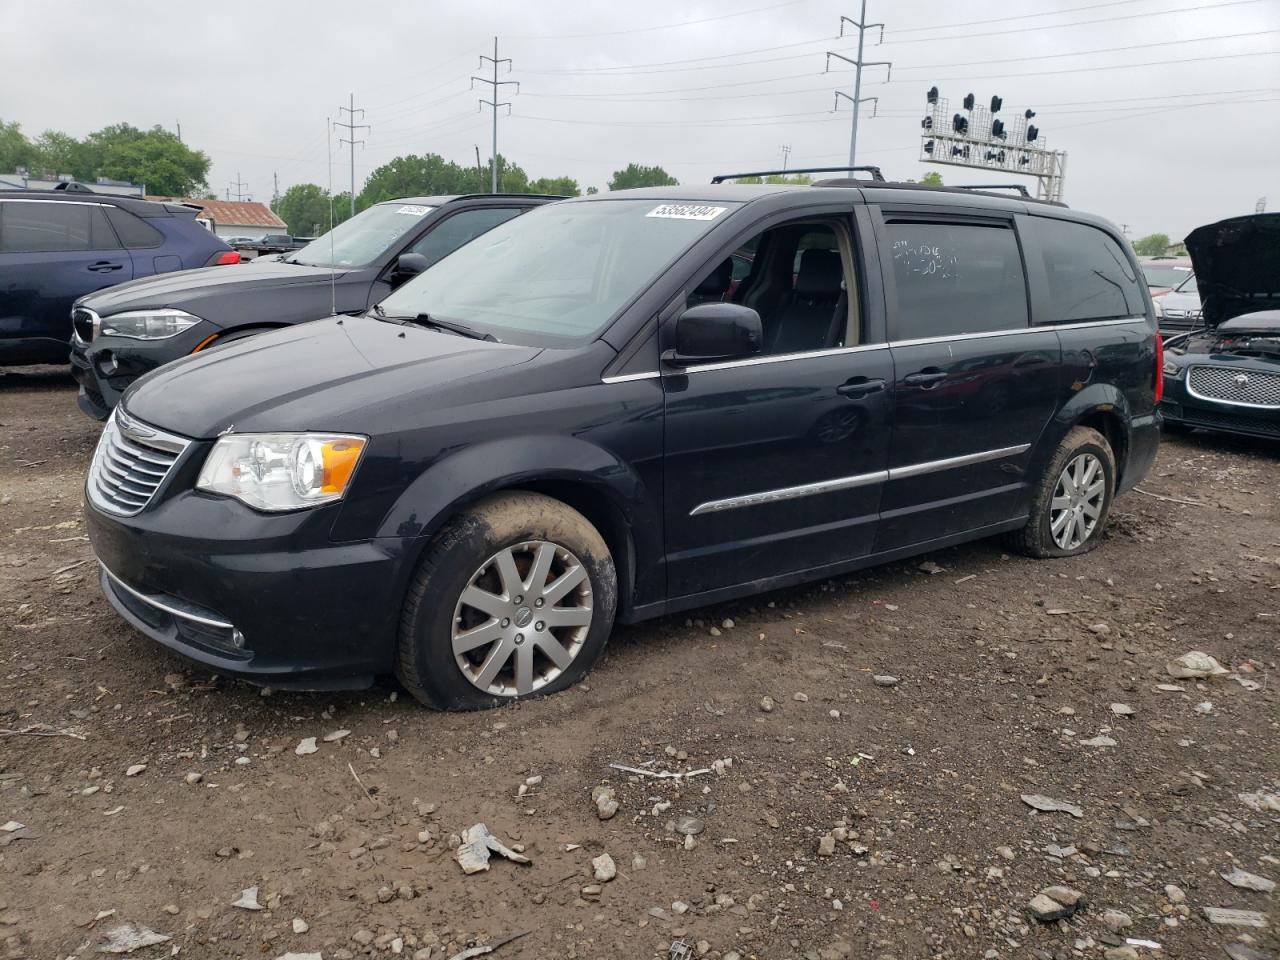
<point>426,320</point>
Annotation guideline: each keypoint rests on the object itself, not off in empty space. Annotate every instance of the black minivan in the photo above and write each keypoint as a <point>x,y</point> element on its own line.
<point>584,416</point>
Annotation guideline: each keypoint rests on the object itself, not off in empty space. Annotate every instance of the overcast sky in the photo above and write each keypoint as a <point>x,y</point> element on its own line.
<point>1169,110</point>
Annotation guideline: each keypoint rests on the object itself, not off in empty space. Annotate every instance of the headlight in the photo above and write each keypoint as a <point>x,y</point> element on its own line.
<point>1171,369</point>
<point>147,324</point>
<point>281,471</point>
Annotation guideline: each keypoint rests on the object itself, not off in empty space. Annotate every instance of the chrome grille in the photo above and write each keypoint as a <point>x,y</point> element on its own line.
<point>1231,385</point>
<point>85,323</point>
<point>130,464</point>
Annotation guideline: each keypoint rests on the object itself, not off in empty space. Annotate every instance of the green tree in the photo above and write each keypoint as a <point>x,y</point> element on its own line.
<point>61,153</point>
<point>793,178</point>
<point>342,206</point>
<point>155,158</point>
<point>1152,245</point>
<point>304,207</point>
<point>933,178</point>
<point>412,176</point>
<point>592,191</point>
<point>556,186</point>
<point>15,149</point>
<point>636,175</point>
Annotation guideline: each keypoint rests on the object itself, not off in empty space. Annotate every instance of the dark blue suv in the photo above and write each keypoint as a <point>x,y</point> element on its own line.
<point>57,246</point>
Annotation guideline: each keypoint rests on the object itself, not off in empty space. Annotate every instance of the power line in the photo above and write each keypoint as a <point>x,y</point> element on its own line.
<point>352,127</point>
<point>630,69</point>
<point>494,85</point>
<point>238,184</point>
<point>857,100</point>
<point>664,26</point>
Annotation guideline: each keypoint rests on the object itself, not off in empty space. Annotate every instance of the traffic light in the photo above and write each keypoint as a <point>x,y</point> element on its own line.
<point>1029,114</point>
<point>969,101</point>
<point>996,104</point>
<point>959,124</point>
<point>932,95</point>
<point>997,129</point>
<point>927,123</point>
<point>928,147</point>
<point>1032,132</point>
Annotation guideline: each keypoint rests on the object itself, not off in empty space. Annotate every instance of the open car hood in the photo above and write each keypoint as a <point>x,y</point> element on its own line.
<point>1237,265</point>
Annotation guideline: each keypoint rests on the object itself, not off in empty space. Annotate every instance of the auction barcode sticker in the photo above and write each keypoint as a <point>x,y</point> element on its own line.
<point>413,209</point>
<point>685,211</point>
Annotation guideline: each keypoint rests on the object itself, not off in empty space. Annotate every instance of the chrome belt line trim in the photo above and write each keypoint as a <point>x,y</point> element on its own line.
<point>781,358</point>
<point>859,480</point>
<point>1040,328</point>
<point>932,466</point>
<point>790,493</point>
<point>628,377</point>
<point>166,607</point>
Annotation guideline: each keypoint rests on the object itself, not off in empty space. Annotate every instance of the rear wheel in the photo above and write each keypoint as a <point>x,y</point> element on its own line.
<point>1073,500</point>
<point>515,598</point>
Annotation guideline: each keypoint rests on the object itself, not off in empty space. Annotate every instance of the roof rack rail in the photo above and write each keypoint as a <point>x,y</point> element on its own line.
<point>995,186</point>
<point>874,171</point>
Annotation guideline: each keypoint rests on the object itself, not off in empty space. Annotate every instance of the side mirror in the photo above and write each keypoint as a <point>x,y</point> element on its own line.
<point>410,265</point>
<point>716,331</point>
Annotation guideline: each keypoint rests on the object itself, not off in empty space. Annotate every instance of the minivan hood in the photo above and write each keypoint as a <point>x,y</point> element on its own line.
<point>185,288</point>
<point>1237,265</point>
<point>330,375</point>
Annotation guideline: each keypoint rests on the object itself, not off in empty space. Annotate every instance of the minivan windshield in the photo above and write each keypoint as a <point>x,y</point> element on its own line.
<point>358,242</point>
<point>558,274</point>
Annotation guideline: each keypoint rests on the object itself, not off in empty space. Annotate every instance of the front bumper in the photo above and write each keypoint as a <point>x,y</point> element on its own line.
<point>106,367</point>
<point>1181,408</point>
<point>265,598</point>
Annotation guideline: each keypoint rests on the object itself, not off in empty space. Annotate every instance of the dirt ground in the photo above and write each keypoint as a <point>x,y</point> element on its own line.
<point>854,820</point>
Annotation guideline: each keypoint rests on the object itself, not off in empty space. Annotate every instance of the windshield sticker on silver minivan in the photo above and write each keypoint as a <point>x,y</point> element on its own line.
<point>414,209</point>
<point>685,211</point>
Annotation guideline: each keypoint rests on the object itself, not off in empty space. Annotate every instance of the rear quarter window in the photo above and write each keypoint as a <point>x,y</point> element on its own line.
<point>956,278</point>
<point>134,232</point>
<point>1088,273</point>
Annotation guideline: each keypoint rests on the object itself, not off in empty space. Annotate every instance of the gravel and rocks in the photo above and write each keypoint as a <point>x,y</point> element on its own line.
<point>865,821</point>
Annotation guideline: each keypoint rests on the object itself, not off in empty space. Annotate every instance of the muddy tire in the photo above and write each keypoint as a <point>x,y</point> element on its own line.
<point>1071,504</point>
<point>514,598</point>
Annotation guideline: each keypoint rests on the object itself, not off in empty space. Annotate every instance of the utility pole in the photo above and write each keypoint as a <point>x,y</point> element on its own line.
<point>352,127</point>
<point>857,99</point>
<point>239,186</point>
<point>786,152</point>
<point>275,189</point>
<point>179,131</point>
<point>494,84</point>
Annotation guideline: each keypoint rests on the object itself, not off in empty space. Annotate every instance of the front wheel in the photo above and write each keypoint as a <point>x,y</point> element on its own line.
<point>515,598</point>
<point>1073,499</point>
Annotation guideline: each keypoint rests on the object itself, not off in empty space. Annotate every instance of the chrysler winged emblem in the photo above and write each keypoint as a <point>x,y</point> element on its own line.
<point>131,427</point>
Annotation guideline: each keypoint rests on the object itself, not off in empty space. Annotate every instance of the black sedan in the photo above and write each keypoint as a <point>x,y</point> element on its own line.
<point>1226,375</point>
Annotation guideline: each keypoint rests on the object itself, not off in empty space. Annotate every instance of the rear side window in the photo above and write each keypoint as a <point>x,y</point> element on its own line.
<point>53,227</point>
<point>1089,276</point>
<point>134,232</point>
<point>956,278</point>
<point>459,229</point>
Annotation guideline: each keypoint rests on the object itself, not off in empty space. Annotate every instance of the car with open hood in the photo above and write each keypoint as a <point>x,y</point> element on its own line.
<point>1178,311</point>
<point>596,413</point>
<point>1225,374</point>
<point>122,333</point>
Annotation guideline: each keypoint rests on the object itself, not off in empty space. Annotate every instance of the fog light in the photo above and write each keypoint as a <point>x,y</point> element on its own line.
<point>237,638</point>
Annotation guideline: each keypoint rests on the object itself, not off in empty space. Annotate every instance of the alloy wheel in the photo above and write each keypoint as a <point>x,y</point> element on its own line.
<point>522,619</point>
<point>1077,501</point>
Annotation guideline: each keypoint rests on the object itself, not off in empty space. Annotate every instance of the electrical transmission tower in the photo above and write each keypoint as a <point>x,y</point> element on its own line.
<point>494,84</point>
<point>238,186</point>
<point>352,127</point>
<point>858,99</point>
